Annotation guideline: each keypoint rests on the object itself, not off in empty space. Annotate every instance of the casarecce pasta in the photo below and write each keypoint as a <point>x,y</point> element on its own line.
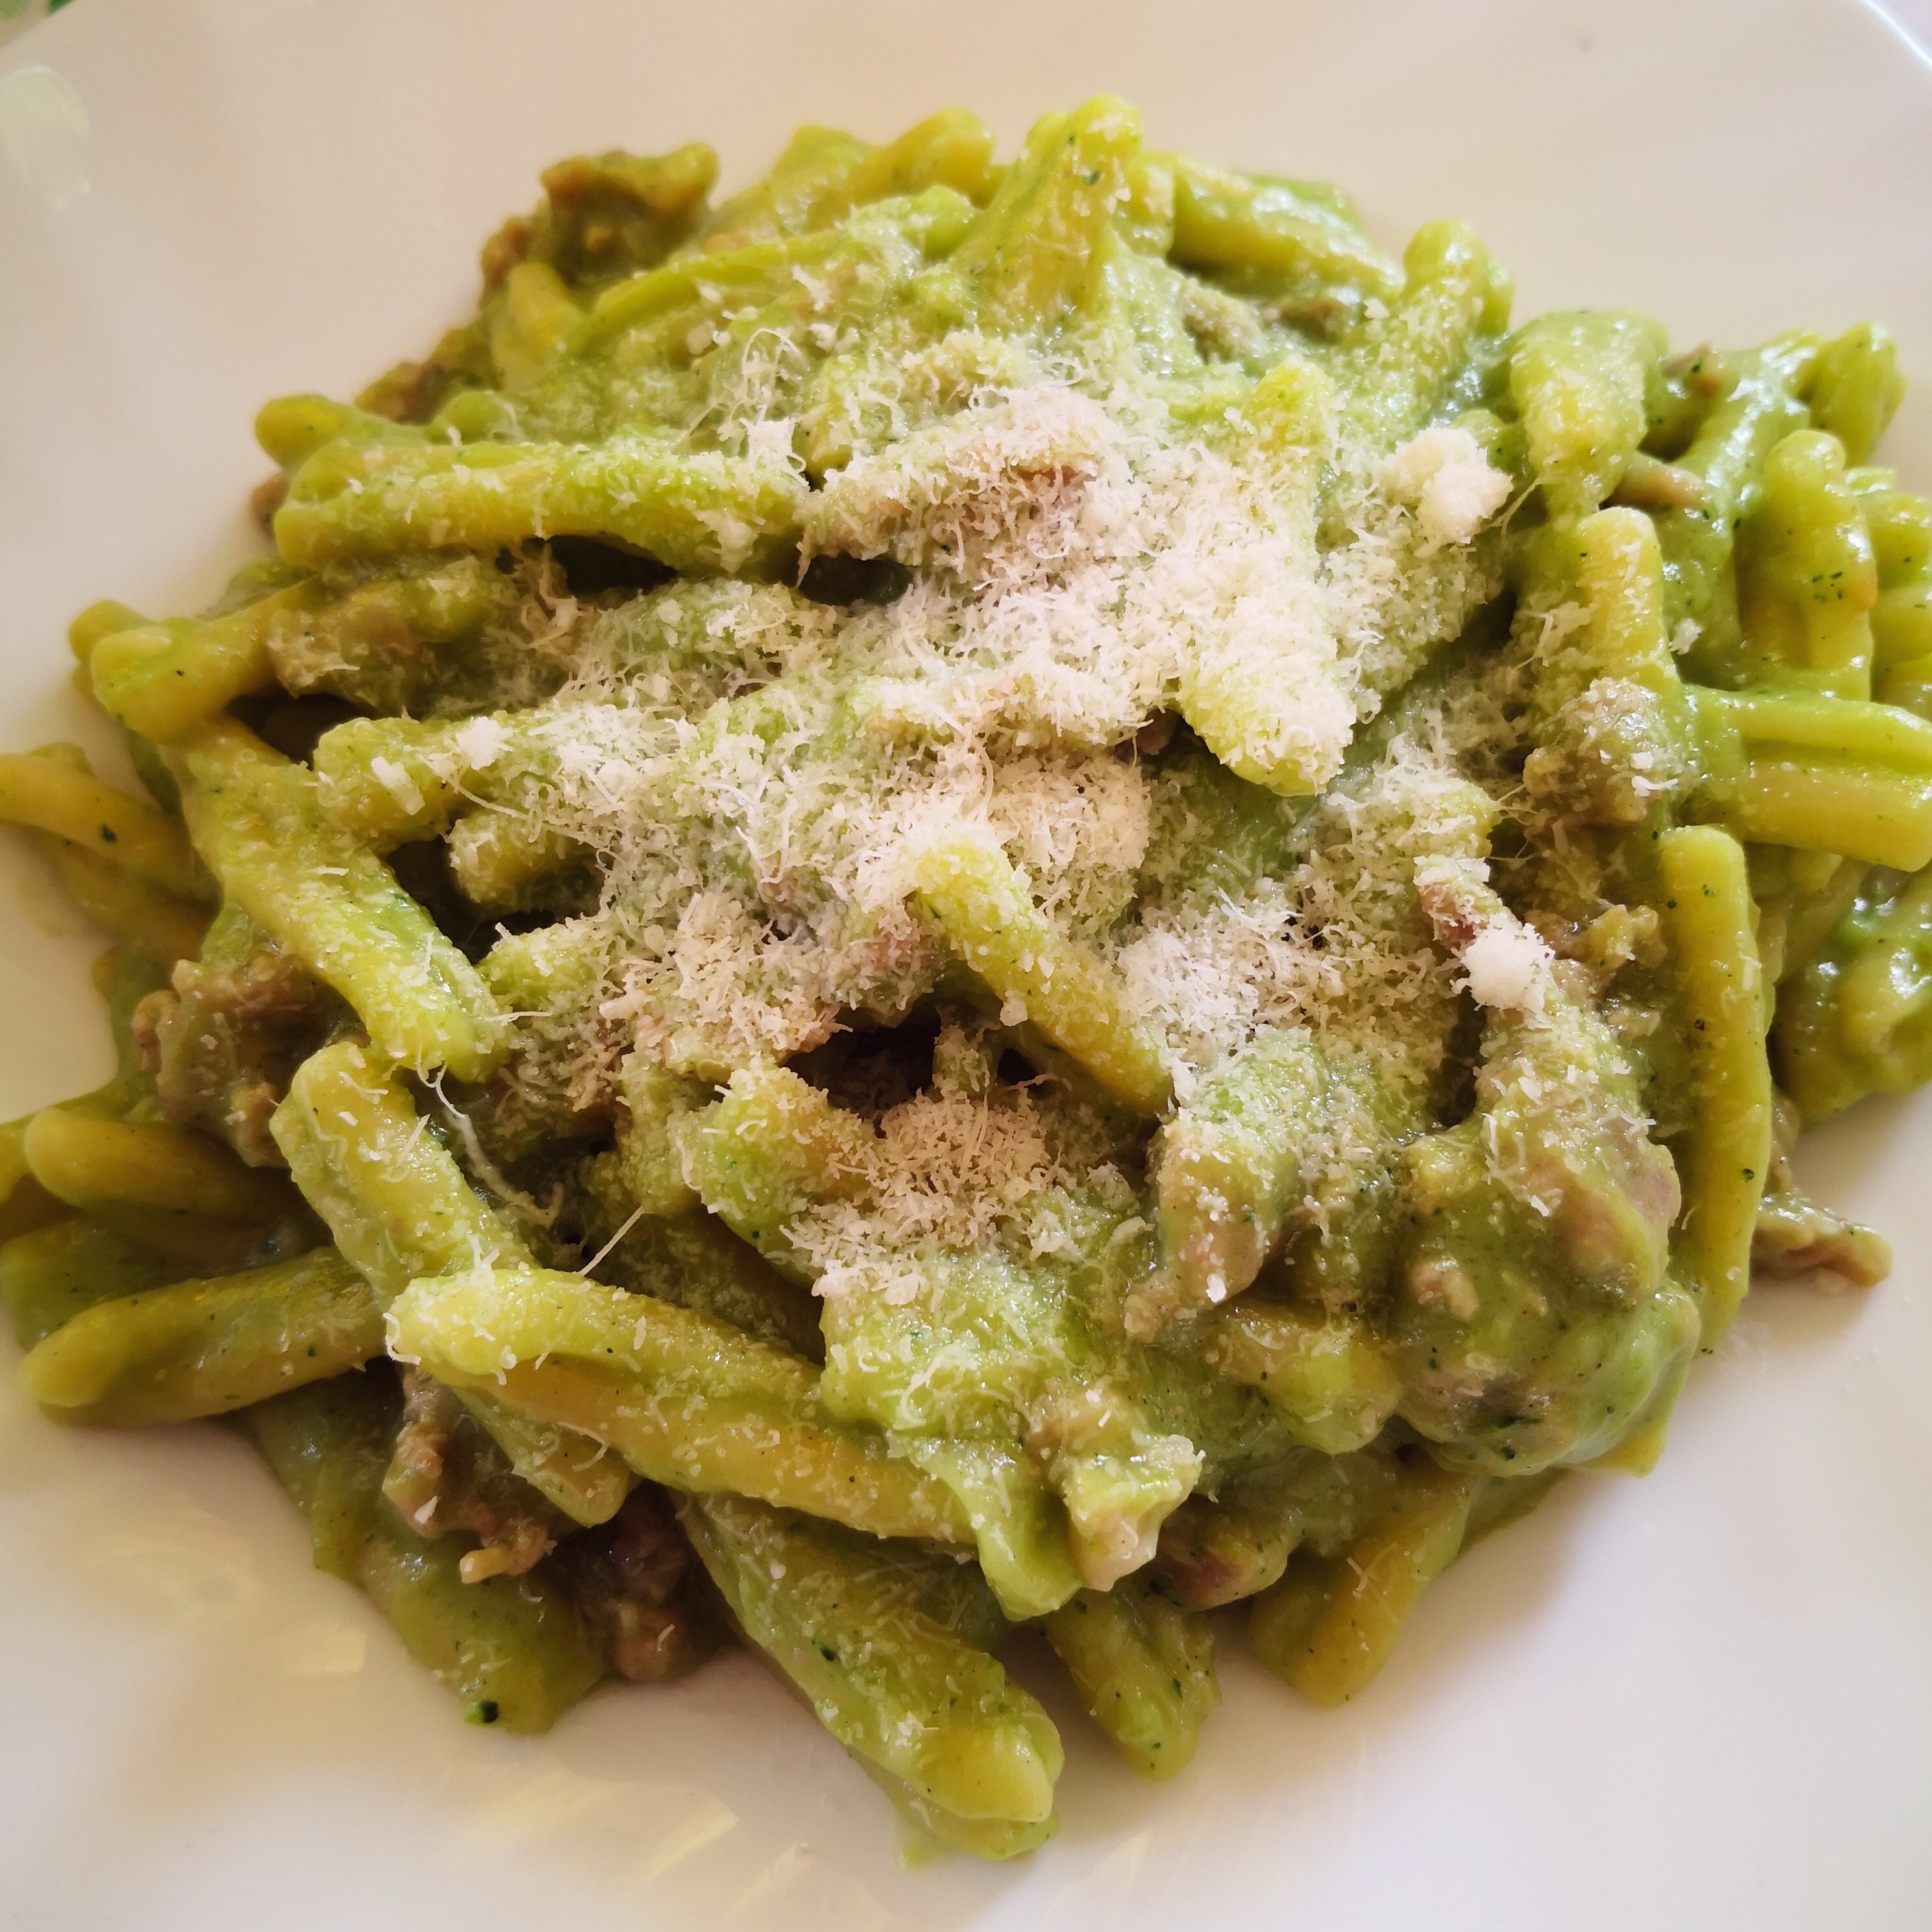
<point>966,893</point>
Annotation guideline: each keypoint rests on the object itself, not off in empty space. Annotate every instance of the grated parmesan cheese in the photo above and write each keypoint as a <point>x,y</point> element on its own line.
<point>756,775</point>
<point>1445,474</point>
<point>398,783</point>
<point>1505,965</point>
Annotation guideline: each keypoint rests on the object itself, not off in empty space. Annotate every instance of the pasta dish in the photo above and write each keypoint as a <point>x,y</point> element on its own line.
<point>961,894</point>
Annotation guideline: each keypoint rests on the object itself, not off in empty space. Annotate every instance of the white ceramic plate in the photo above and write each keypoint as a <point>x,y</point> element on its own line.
<point>1702,1701</point>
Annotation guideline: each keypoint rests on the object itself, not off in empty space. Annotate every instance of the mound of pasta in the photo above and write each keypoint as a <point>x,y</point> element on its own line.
<point>962,894</point>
